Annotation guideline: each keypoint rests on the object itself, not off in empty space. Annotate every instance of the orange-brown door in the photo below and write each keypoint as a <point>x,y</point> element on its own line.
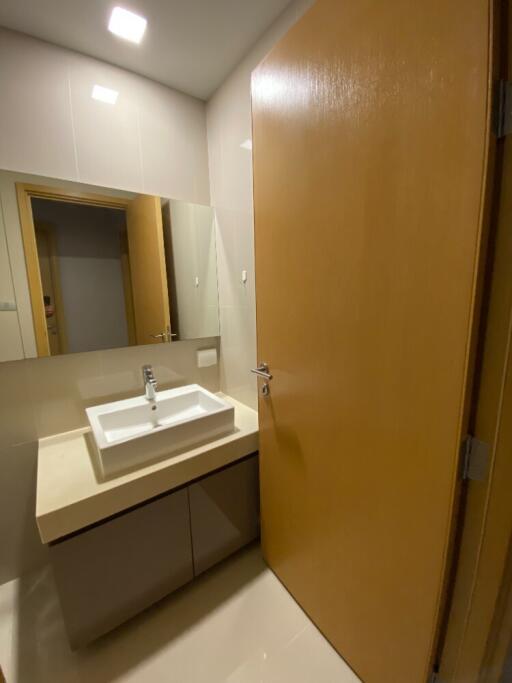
<point>147,269</point>
<point>370,139</point>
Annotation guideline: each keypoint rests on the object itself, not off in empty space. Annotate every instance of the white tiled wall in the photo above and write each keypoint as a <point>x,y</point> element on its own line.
<point>229,125</point>
<point>152,140</point>
<point>36,124</point>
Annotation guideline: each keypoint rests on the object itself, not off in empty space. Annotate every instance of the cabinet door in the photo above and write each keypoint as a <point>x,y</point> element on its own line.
<point>109,573</point>
<point>224,513</point>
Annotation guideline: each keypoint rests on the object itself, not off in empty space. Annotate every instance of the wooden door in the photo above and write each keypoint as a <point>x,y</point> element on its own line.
<point>370,139</point>
<point>147,266</point>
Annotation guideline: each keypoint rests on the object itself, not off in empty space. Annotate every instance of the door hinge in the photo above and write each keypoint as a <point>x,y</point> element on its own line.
<point>502,109</point>
<point>475,459</point>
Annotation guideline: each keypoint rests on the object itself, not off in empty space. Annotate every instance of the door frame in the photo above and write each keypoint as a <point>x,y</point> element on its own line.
<point>49,234</point>
<point>24,193</point>
<point>479,621</point>
<point>480,609</point>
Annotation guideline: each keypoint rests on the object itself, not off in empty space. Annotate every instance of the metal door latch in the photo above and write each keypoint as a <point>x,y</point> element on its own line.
<point>263,371</point>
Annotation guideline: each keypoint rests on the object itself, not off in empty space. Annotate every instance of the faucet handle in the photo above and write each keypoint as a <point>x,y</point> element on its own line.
<point>150,383</point>
<point>147,374</point>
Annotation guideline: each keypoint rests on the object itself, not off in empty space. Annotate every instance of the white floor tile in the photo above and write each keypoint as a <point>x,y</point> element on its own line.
<point>236,624</point>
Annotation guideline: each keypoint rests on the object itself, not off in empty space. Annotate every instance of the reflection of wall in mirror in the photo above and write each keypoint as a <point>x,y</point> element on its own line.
<point>189,234</point>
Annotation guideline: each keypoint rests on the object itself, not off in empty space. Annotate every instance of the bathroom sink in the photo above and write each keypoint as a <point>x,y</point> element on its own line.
<point>134,431</point>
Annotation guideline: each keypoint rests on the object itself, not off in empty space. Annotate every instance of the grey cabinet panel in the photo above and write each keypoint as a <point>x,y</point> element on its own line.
<point>109,573</point>
<point>224,512</point>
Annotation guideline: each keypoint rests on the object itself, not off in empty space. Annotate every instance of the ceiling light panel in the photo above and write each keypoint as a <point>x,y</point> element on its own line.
<point>103,94</point>
<point>127,25</point>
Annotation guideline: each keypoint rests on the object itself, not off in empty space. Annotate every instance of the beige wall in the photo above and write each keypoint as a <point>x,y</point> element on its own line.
<point>153,140</point>
<point>229,125</point>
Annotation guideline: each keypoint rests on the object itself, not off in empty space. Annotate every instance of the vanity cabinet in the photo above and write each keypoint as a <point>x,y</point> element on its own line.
<point>109,572</point>
<point>224,513</point>
<point>112,571</point>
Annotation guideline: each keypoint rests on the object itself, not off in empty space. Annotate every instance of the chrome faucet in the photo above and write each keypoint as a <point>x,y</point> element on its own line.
<point>150,383</point>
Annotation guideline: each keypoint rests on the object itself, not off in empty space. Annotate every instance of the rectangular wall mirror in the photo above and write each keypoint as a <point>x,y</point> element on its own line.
<point>84,268</point>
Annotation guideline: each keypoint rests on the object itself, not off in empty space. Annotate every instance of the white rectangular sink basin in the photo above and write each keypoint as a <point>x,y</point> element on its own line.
<point>134,431</point>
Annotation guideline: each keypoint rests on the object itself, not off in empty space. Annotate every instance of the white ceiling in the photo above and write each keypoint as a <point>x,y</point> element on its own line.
<point>190,45</point>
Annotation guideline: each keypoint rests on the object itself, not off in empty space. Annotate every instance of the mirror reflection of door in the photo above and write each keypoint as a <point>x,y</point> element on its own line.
<point>52,293</point>
<point>147,268</point>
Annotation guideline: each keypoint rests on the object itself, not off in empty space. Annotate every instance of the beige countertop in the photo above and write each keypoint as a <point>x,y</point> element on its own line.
<point>70,495</point>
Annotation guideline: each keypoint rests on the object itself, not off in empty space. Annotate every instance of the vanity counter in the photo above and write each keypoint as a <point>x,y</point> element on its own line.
<point>70,496</point>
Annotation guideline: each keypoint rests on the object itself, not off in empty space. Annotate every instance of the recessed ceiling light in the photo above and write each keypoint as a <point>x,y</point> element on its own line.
<point>127,24</point>
<point>246,144</point>
<point>104,94</point>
